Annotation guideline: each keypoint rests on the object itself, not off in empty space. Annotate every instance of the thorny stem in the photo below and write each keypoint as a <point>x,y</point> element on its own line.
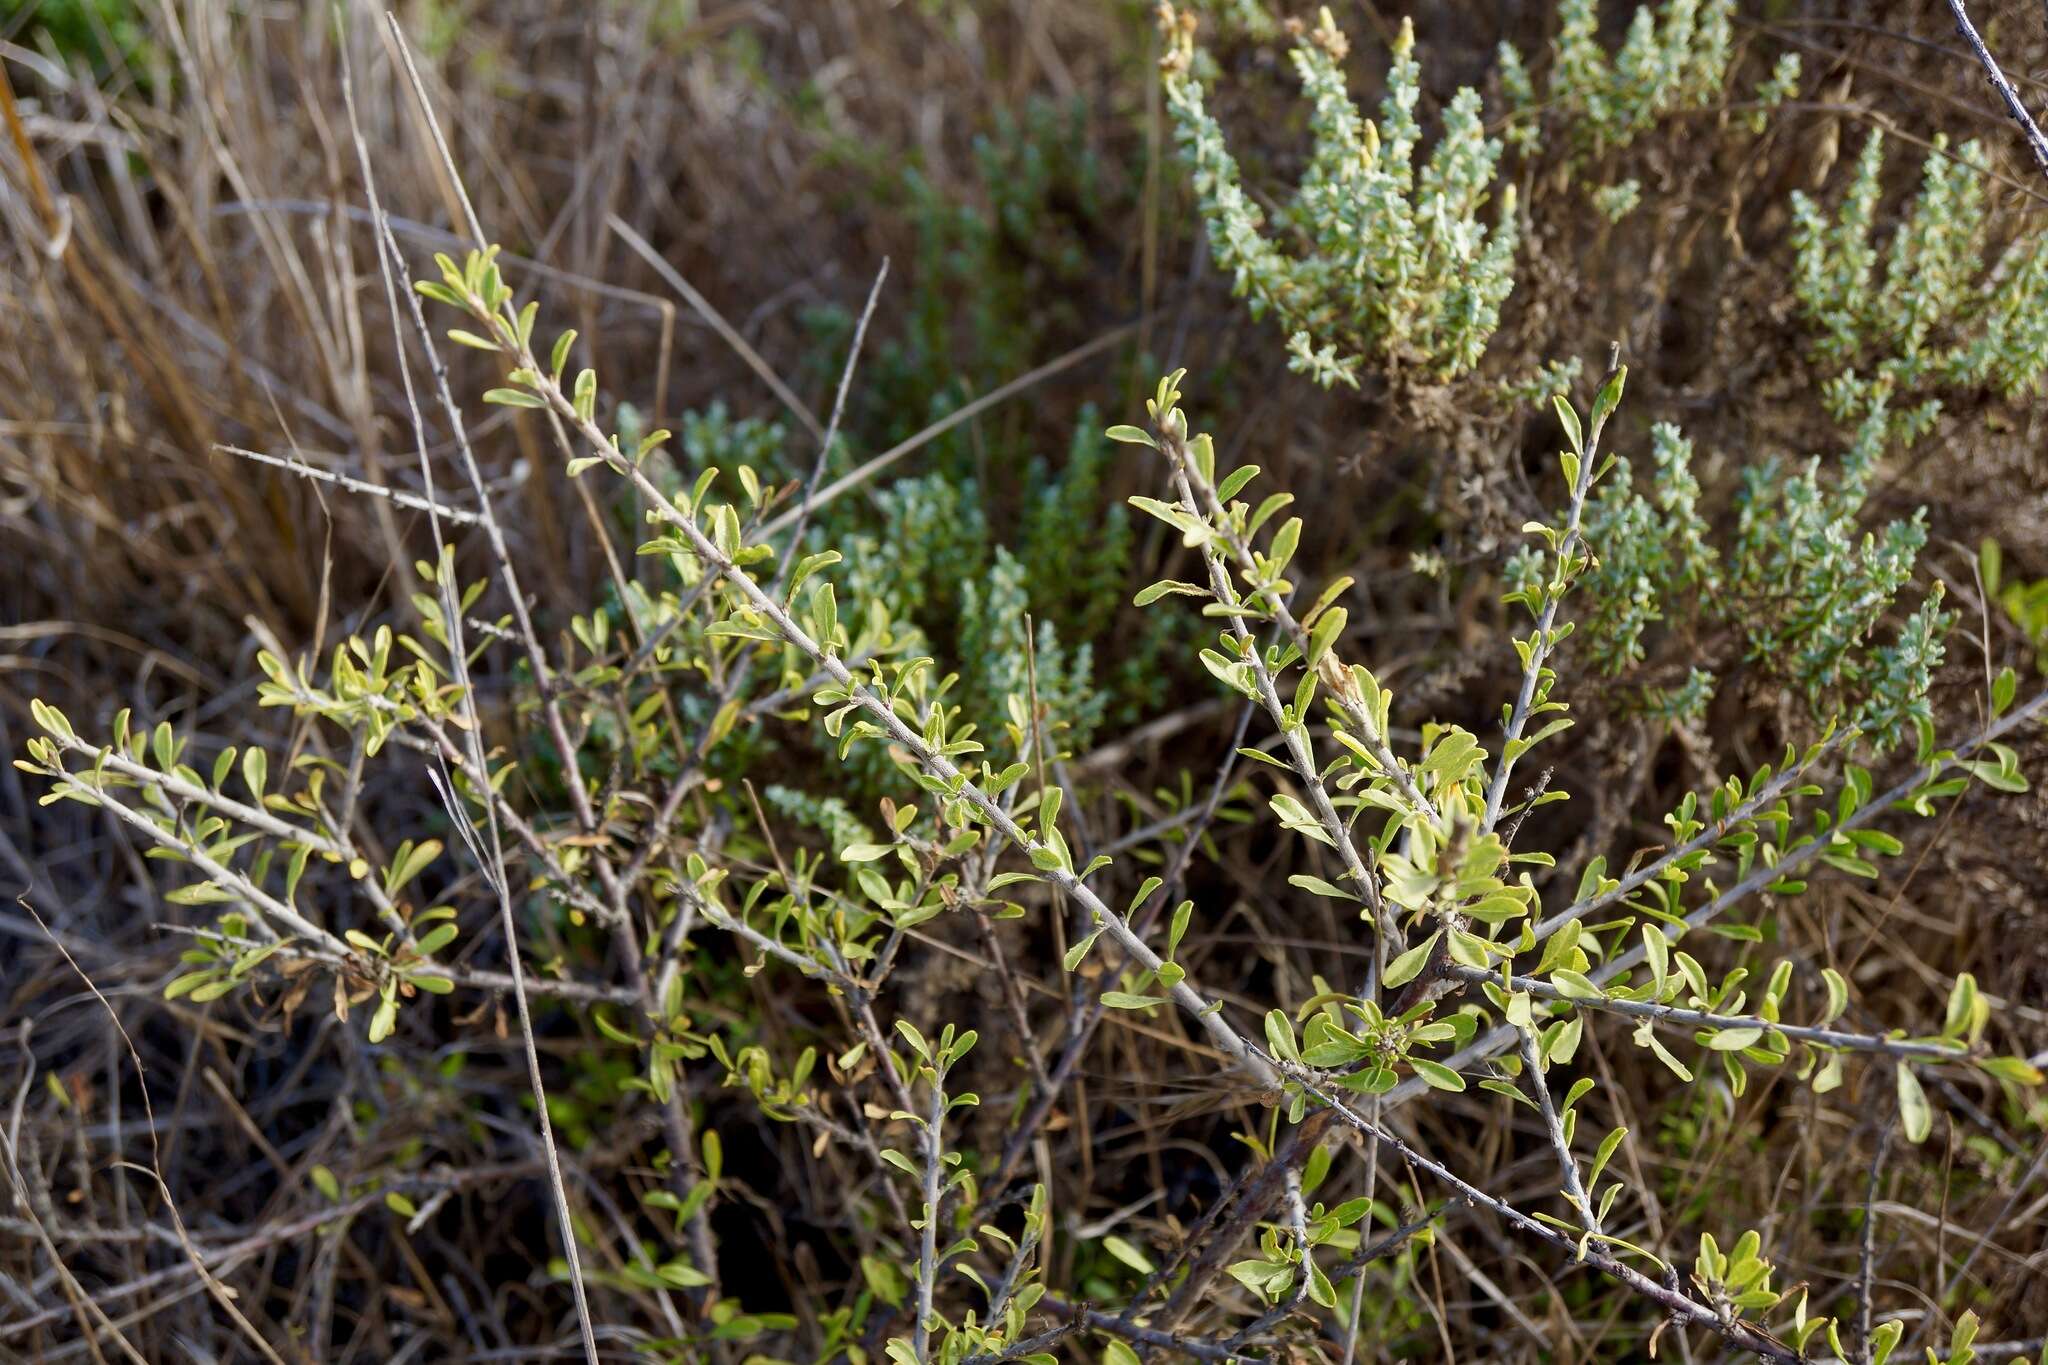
<point>1354,711</point>
<point>267,906</point>
<point>498,983</point>
<point>392,269</point>
<point>2030,132</point>
<point>177,788</point>
<point>1227,1039</point>
<point>1713,834</point>
<point>625,933</point>
<point>1088,1017</point>
<point>1867,1260</point>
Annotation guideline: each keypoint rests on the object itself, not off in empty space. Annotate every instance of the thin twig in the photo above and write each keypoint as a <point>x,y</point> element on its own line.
<point>2030,132</point>
<point>392,268</point>
<point>1867,1261</point>
<point>1553,1127</point>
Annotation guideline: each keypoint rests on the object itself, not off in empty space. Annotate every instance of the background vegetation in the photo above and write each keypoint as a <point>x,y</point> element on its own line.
<point>1809,230</point>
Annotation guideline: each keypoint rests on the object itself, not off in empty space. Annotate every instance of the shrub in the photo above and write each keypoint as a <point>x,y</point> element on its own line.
<point>1397,264</point>
<point>819,907</point>
<point>1937,317</point>
<point>1421,847</point>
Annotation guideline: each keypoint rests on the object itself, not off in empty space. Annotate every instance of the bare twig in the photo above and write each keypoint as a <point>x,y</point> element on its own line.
<point>2030,132</point>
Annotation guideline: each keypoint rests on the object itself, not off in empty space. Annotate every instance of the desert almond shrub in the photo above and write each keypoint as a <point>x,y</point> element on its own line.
<point>1473,980</point>
<point>798,826</point>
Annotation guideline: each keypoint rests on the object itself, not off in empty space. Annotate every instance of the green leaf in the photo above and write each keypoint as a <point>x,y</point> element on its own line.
<point>412,860</point>
<point>1576,985</point>
<point>1657,949</point>
<point>2017,1070</point>
<point>1609,397</point>
<point>1731,1039</point>
<point>2002,689</point>
<point>1570,421</point>
<point>1079,952</point>
<point>1131,436</point>
<point>384,1020</point>
<point>514,398</point>
<point>1608,1146</point>
<point>324,1181</point>
<point>1838,995</point>
<point>1914,1115</point>
<point>1645,1038</point>
<point>1124,1000</point>
<point>1128,1254</point>
<point>1408,965</point>
<point>188,983</point>
<point>436,938</point>
<point>1234,482</point>
<point>1165,587</point>
<point>712,1148</point>
<point>1285,540</point>
<point>1436,1074</point>
<point>883,1278</point>
<point>1329,626</point>
<point>1280,1036</point>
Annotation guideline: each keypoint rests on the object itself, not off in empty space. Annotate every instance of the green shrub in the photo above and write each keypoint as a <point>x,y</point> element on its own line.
<point>1937,317</point>
<point>1420,850</point>
<point>1396,263</point>
<point>1800,585</point>
<point>888,832</point>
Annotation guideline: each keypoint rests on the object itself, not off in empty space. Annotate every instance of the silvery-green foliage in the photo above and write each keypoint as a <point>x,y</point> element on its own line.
<point>1382,261</point>
<point>1648,548</point>
<point>1673,58</point>
<point>1252,18</point>
<point>934,561</point>
<point>1076,553</point>
<point>712,436</point>
<point>932,536</point>
<point>997,266</point>
<point>1383,257</point>
<point>1926,312</point>
<point>1617,201</point>
<point>1804,587</point>
<point>1781,85</point>
<point>829,815</point>
<point>994,613</point>
<point>1819,586</point>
